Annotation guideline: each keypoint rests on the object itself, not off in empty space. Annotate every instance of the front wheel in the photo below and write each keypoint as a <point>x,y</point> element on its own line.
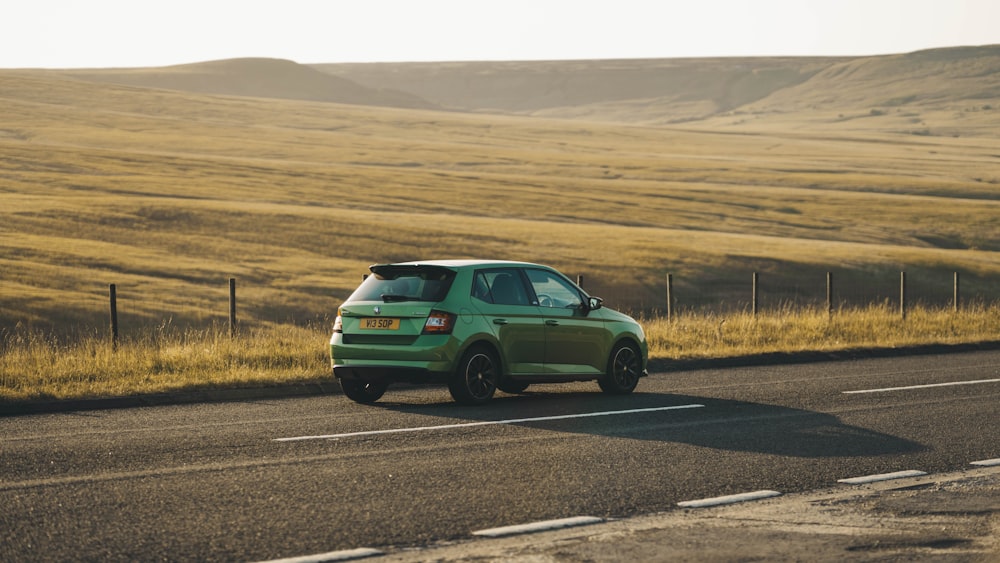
<point>475,380</point>
<point>364,392</point>
<point>624,369</point>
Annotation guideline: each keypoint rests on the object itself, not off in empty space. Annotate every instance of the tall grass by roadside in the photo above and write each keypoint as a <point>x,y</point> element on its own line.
<point>874,326</point>
<point>37,366</point>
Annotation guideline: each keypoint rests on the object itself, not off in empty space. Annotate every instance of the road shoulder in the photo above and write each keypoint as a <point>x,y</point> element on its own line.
<point>948,516</point>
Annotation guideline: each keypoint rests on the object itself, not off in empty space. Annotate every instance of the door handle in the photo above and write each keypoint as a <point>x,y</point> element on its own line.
<point>499,321</point>
<point>551,322</point>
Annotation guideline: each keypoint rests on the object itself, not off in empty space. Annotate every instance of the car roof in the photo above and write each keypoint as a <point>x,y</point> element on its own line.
<point>461,264</point>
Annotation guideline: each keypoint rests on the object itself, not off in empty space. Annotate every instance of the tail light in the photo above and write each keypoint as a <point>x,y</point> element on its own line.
<point>439,322</point>
<point>338,325</point>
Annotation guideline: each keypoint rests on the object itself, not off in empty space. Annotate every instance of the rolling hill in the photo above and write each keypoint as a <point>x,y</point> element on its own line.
<point>644,91</point>
<point>260,78</point>
<point>819,91</point>
<point>169,181</point>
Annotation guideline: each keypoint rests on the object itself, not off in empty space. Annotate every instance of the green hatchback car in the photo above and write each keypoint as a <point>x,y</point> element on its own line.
<point>480,326</point>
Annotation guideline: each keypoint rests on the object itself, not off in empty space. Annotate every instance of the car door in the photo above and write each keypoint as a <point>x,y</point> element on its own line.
<point>576,341</point>
<point>502,296</point>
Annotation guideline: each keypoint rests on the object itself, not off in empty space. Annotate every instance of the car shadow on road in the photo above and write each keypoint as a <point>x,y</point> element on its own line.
<point>718,423</point>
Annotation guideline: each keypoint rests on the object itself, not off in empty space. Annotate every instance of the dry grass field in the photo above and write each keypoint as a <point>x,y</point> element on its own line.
<point>38,366</point>
<point>169,193</point>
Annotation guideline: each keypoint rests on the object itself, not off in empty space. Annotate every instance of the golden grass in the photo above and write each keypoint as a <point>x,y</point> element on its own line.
<point>35,366</point>
<point>38,366</point>
<point>169,194</point>
<point>800,330</point>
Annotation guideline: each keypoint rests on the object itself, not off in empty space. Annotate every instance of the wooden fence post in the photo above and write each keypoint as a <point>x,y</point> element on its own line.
<point>829,293</point>
<point>902,295</point>
<point>232,307</point>
<point>753,307</point>
<point>113,294</point>
<point>957,297</point>
<point>670,297</point>
<point>579,281</point>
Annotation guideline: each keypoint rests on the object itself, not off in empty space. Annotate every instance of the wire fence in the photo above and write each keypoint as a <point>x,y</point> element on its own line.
<point>674,295</point>
<point>756,292</point>
<point>752,294</point>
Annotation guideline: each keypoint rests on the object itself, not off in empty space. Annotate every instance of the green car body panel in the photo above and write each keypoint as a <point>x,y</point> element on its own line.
<point>415,322</point>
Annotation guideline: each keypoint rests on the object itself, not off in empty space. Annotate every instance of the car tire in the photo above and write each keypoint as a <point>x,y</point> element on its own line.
<point>364,392</point>
<point>475,380</point>
<point>624,370</point>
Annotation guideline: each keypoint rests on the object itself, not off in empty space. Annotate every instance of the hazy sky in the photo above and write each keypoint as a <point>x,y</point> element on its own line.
<point>126,33</point>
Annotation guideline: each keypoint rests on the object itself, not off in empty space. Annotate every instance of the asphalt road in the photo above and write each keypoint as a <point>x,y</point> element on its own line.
<point>275,478</point>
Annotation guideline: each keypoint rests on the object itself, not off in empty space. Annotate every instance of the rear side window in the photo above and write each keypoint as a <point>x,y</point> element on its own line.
<point>500,287</point>
<point>405,283</point>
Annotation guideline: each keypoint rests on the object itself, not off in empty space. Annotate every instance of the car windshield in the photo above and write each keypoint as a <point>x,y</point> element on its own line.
<point>405,283</point>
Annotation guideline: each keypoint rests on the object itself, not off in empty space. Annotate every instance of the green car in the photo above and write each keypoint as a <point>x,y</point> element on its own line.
<point>480,326</point>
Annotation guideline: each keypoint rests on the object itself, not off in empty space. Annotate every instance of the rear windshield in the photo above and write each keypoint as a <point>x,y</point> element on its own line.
<point>405,283</point>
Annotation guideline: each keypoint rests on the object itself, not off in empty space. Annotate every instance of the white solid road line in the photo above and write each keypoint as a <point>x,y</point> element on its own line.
<point>728,499</point>
<point>542,526</point>
<point>484,423</point>
<point>928,386</point>
<point>881,477</point>
<point>345,555</point>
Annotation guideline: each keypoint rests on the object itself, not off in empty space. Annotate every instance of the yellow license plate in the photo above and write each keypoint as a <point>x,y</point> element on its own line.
<point>379,324</point>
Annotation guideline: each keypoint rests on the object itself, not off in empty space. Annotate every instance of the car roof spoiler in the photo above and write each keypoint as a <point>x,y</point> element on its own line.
<point>391,271</point>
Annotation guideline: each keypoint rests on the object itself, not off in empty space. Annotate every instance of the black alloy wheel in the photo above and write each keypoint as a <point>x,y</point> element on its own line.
<point>364,392</point>
<point>624,370</point>
<point>475,380</point>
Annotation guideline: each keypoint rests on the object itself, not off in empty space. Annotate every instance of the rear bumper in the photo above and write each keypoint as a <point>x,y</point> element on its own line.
<point>388,374</point>
<point>428,360</point>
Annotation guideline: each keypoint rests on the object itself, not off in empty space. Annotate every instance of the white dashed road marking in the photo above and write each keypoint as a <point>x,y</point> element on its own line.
<point>728,499</point>
<point>987,462</point>
<point>881,477</point>
<point>928,386</point>
<point>345,555</point>
<point>542,526</point>
<point>484,423</point>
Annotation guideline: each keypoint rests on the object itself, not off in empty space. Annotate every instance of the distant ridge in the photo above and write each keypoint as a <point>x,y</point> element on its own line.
<point>931,76</point>
<point>541,85</point>
<point>659,91</point>
<point>256,77</point>
<point>918,93</point>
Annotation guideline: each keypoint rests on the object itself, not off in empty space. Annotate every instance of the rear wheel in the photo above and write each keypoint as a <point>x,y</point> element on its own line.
<point>624,369</point>
<point>364,392</point>
<point>475,380</point>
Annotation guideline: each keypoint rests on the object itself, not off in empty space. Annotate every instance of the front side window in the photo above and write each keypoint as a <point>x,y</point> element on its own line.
<point>553,290</point>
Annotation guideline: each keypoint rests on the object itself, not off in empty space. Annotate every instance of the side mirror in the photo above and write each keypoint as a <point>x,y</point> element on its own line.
<point>595,304</point>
